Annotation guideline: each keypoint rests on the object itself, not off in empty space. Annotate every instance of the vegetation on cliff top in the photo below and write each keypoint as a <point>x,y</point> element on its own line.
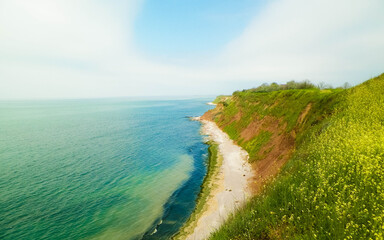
<point>221,98</point>
<point>332,187</point>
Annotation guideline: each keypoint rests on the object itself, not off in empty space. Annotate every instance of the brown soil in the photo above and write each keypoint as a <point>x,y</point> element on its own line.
<point>304,113</point>
<point>274,154</point>
<point>277,151</point>
<point>237,117</point>
<point>208,115</point>
<point>268,123</point>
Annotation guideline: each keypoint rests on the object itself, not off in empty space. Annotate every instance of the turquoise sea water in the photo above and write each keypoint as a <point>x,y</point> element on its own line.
<point>99,169</point>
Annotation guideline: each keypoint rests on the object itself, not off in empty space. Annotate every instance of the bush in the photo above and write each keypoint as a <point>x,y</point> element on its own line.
<point>265,87</point>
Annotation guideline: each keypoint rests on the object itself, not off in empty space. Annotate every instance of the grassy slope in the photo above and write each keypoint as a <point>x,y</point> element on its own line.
<point>220,98</point>
<point>333,186</point>
<point>284,106</point>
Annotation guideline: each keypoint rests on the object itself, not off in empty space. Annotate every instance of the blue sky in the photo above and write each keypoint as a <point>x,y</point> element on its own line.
<point>100,48</point>
<point>175,29</point>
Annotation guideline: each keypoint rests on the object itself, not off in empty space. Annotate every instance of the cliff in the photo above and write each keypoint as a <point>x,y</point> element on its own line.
<point>268,124</point>
<point>318,157</point>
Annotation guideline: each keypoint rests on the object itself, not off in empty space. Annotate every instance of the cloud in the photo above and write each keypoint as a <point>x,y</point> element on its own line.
<point>83,48</point>
<point>76,30</point>
<point>332,41</point>
<point>62,48</point>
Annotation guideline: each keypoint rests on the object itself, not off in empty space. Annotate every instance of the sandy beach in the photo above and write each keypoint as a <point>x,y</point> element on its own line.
<point>232,183</point>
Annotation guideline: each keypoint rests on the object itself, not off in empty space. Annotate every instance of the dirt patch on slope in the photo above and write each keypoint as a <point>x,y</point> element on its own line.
<point>268,123</point>
<point>274,154</point>
<point>210,114</point>
<point>277,151</point>
<point>304,113</point>
<point>237,117</point>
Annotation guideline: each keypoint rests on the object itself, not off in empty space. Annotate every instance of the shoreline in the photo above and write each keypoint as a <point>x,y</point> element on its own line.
<point>207,187</point>
<point>226,187</point>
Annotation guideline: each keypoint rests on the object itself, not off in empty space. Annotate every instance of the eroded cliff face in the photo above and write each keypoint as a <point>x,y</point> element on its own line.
<point>272,154</point>
<point>267,125</point>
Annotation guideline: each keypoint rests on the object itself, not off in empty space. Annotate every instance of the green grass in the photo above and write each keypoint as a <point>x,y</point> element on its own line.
<point>253,146</point>
<point>285,105</point>
<point>220,98</point>
<point>333,187</point>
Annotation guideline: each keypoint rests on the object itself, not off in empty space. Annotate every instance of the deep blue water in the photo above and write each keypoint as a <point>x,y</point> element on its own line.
<point>99,169</point>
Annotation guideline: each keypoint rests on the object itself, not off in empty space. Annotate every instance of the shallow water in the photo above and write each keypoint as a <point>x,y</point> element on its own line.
<point>98,169</point>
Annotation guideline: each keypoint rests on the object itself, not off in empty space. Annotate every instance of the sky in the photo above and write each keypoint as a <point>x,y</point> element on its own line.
<point>118,48</point>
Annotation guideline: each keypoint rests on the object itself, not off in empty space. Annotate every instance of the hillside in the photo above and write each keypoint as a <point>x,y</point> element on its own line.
<point>318,157</point>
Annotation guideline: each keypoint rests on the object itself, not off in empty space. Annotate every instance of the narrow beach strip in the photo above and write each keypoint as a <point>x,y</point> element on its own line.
<point>229,189</point>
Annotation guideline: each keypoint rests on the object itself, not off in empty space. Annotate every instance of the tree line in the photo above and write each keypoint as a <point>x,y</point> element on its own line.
<point>306,84</point>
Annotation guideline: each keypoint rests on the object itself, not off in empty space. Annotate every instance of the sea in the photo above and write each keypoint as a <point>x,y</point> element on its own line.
<point>99,168</point>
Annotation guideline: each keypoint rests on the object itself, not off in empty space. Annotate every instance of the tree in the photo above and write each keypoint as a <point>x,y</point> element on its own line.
<point>346,85</point>
<point>321,85</point>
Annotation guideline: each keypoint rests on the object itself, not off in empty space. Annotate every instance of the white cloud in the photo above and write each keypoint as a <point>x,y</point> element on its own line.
<point>69,29</point>
<point>332,41</point>
<point>84,48</point>
<point>62,48</point>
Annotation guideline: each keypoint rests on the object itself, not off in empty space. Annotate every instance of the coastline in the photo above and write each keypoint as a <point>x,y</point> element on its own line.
<point>225,187</point>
